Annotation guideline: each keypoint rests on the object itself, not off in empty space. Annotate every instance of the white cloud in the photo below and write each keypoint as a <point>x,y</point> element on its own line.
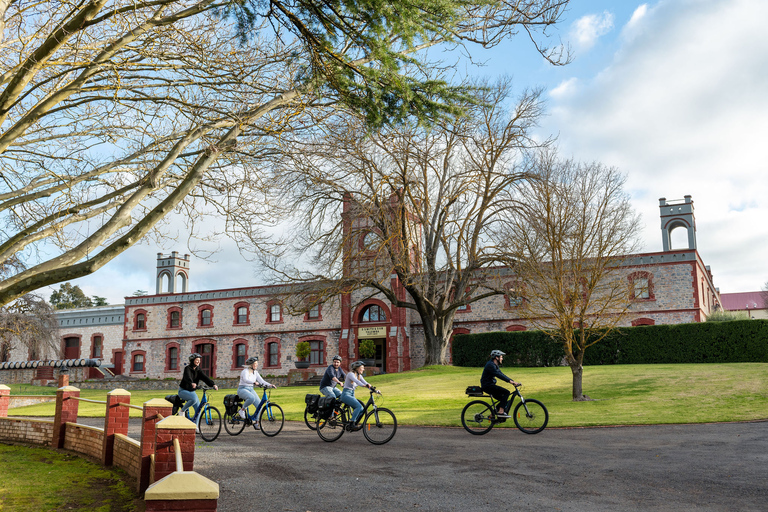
<point>682,110</point>
<point>565,88</point>
<point>586,30</point>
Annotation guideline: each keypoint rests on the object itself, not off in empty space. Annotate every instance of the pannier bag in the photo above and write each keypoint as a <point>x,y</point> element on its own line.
<point>232,404</point>
<point>474,391</point>
<point>311,401</point>
<point>176,401</point>
<point>325,406</point>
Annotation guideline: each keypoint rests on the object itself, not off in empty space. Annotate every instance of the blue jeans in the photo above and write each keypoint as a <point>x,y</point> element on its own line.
<point>331,391</point>
<point>348,397</point>
<point>191,400</point>
<point>249,395</point>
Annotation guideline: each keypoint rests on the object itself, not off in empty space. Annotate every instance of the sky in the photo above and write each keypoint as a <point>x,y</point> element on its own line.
<point>673,93</point>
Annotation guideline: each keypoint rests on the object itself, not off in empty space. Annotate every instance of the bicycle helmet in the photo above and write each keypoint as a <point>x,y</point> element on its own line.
<point>251,360</point>
<point>194,356</point>
<point>337,358</point>
<point>356,364</point>
<point>497,353</point>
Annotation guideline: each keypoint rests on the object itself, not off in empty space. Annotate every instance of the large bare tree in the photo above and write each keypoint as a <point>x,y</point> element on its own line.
<point>567,246</point>
<point>28,323</point>
<point>418,202</point>
<point>115,113</point>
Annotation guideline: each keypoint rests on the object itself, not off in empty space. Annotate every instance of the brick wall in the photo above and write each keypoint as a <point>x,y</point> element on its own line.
<point>84,439</point>
<point>127,455</point>
<point>26,431</point>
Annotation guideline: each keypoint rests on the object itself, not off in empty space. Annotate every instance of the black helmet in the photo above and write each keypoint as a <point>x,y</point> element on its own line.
<point>251,360</point>
<point>193,356</point>
<point>336,358</point>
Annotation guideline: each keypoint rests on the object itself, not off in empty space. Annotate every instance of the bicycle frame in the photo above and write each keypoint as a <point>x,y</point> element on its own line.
<point>265,403</point>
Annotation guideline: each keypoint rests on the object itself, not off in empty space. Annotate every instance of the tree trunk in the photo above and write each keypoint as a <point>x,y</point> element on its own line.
<point>577,370</point>
<point>435,343</point>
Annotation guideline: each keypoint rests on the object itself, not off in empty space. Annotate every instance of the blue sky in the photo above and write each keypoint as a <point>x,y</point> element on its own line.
<point>674,93</point>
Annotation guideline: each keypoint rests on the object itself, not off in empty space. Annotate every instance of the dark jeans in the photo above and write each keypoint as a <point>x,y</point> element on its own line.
<point>499,393</point>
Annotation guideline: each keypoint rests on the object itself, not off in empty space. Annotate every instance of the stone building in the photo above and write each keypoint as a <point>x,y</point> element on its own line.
<point>152,336</point>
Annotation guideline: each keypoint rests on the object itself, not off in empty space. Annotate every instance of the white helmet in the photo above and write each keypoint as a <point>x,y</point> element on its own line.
<point>497,353</point>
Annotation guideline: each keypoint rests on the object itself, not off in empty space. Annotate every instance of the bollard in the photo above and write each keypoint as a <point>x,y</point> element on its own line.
<point>115,422</point>
<point>5,400</point>
<point>150,418</point>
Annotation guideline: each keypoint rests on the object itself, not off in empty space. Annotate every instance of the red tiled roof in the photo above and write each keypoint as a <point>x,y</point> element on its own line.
<point>742,301</point>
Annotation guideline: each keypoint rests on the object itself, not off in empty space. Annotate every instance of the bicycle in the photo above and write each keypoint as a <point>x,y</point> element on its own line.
<point>207,420</point>
<point>270,415</point>
<point>334,417</point>
<point>310,411</point>
<point>479,417</point>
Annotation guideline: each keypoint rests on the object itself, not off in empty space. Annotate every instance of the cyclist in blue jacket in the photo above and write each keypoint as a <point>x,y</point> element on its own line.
<point>491,372</point>
<point>333,376</point>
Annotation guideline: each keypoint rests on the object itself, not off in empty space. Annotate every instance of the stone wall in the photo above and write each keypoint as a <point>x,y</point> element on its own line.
<point>21,401</point>
<point>84,439</point>
<point>127,455</point>
<point>26,431</point>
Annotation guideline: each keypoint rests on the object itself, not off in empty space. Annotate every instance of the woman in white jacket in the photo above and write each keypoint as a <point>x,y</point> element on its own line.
<point>249,377</point>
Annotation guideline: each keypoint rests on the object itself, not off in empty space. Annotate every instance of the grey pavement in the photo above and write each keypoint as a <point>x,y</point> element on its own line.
<point>704,467</point>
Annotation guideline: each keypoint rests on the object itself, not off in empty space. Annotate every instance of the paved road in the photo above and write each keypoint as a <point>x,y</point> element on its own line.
<point>711,467</point>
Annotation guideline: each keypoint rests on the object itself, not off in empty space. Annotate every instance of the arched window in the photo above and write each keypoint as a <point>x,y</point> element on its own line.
<point>137,365</point>
<point>273,352</point>
<point>641,286</point>
<point>174,318</point>
<point>242,314</point>
<point>274,312</point>
<point>172,358</point>
<point>205,316</point>
<point>373,313</point>
<point>239,354</point>
<point>643,321</point>
<point>97,347</point>
<point>140,320</point>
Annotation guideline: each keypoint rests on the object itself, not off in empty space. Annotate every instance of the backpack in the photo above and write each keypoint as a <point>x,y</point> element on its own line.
<point>474,391</point>
<point>176,401</point>
<point>325,406</point>
<point>311,401</point>
<point>232,404</point>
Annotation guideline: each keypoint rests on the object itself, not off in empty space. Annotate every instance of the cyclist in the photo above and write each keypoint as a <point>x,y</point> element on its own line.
<point>192,375</point>
<point>248,378</point>
<point>333,375</point>
<point>353,379</point>
<point>488,381</point>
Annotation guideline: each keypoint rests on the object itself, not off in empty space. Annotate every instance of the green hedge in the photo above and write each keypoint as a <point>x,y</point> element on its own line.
<point>712,342</point>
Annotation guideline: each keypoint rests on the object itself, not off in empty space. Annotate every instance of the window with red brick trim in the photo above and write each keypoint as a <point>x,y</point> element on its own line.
<point>272,352</point>
<point>315,314</point>
<point>643,321</point>
<point>317,349</point>
<point>172,357</point>
<point>242,312</point>
<point>641,286</point>
<point>205,316</point>
<point>274,312</point>
<point>97,346</point>
<point>239,354</point>
<point>174,318</point>
<point>138,358</point>
<point>373,313</point>
<point>140,320</point>
<point>516,328</point>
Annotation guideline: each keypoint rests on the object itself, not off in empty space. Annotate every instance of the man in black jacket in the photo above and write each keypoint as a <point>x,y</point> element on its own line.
<point>491,371</point>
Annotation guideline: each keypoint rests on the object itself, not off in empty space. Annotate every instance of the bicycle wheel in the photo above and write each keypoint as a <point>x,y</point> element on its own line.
<point>209,424</point>
<point>380,426</point>
<point>233,424</point>
<point>271,419</point>
<point>476,417</point>
<point>532,417</point>
<point>330,429</point>
<point>310,419</point>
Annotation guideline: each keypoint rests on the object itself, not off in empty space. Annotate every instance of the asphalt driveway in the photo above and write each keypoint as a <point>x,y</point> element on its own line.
<point>709,467</point>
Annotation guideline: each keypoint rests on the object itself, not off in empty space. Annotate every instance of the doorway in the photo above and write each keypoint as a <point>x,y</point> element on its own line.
<point>380,359</point>
<point>206,360</point>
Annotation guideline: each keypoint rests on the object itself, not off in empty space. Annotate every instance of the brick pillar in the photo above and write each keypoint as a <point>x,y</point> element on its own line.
<point>165,456</point>
<point>5,400</point>
<point>150,418</point>
<point>115,422</point>
<point>63,379</point>
<point>66,412</point>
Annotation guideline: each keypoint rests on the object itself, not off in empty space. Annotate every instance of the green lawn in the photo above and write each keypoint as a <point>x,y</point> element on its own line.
<point>624,394</point>
<point>34,478</point>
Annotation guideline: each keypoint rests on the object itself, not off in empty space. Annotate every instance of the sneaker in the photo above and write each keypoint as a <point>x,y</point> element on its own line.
<point>256,426</point>
<point>241,413</point>
<point>502,415</point>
